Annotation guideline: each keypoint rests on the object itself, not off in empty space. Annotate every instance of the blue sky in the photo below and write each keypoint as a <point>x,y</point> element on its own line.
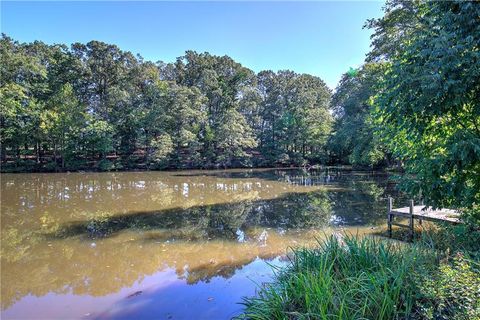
<point>320,38</point>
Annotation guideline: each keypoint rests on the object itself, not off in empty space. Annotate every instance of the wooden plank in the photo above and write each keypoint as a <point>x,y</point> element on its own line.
<point>424,209</point>
<point>416,209</point>
<point>400,225</point>
<point>431,215</point>
<point>437,219</point>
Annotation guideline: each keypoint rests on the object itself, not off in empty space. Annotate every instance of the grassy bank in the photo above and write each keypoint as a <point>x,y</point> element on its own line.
<point>370,278</point>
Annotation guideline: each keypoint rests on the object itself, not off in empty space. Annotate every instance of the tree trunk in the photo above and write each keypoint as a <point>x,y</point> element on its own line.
<point>4,149</point>
<point>4,153</point>
<point>63,157</point>
<point>55,156</point>
<point>273,133</point>
<point>37,152</point>
<point>63,150</point>
<point>18,155</point>
<point>147,145</point>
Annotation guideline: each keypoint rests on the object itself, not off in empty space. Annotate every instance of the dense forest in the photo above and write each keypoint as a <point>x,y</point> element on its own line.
<point>414,103</point>
<point>95,106</point>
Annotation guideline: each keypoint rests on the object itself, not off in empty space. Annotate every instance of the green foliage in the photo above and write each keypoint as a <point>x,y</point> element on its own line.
<point>61,121</point>
<point>463,238</point>
<point>105,165</point>
<point>97,137</point>
<point>295,120</point>
<point>66,109</point>
<point>369,278</point>
<point>428,107</point>
<point>236,135</point>
<point>343,279</point>
<point>453,292</point>
<point>352,72</point>
<point>354,140</point>
<point>162,147</point>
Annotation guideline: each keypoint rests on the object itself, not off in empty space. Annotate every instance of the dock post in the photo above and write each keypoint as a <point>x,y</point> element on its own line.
<point>420,219</point>
<point>410,220</point>
<point>389,216</point>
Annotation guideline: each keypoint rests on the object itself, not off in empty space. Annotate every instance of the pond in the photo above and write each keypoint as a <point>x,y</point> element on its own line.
<point>167,245</point>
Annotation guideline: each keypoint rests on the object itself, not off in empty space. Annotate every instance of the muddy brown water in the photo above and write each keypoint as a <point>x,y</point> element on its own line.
<point>167,245</point>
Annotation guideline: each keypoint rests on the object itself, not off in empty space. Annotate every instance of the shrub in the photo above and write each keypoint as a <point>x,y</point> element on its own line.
<point>449,239</point>
<point>453,292</point>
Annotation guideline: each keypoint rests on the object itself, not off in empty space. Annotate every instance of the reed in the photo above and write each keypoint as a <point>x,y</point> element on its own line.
<point>347,278</point>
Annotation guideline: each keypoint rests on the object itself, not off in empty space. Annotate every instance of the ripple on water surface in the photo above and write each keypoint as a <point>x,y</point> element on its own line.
<point>166,244</point>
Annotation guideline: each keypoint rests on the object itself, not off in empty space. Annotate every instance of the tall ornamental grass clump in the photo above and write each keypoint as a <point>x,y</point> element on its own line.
<point>349,278</point>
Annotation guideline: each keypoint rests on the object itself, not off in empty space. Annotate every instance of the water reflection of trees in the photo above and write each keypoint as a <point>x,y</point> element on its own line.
<point>80,235</point>
<point>220,221</point>
<point>294,176</point>
<point>57,258</point>
<point>72,194</point>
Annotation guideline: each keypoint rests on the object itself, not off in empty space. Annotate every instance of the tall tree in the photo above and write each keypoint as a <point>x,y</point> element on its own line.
<point>430,102</point>
<point>61,122</point>
<point>223,81</point>
<point>22,92</point>
<point>185,119</point>
<point>354,139</point>
<point>295,118</point>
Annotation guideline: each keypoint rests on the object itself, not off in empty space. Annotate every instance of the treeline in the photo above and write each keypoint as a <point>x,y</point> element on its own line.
<point>94,106</point>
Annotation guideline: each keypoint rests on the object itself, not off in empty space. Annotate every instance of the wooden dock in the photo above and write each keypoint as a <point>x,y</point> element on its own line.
<point>419,212</point>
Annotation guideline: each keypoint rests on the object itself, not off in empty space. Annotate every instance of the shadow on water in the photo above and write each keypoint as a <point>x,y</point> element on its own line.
<point>230,221</point>
<point>96,234</point>
<point>219,221</point>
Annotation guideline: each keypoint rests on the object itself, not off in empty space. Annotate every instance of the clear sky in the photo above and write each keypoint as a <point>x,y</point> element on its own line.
<point>320,38</point>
